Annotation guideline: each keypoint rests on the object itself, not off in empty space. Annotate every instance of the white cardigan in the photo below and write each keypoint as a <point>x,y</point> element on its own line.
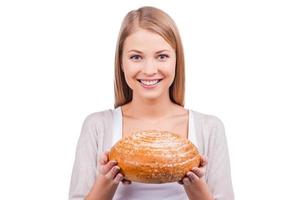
<point>101,130</point>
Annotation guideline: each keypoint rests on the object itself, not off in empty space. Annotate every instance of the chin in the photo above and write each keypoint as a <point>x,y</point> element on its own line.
<point>150,96</point>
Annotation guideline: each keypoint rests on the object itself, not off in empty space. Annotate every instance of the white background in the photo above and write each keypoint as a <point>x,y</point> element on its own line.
<point>56,67</point>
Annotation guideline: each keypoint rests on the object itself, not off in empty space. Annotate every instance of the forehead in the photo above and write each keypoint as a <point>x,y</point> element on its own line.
<point>145,41</point>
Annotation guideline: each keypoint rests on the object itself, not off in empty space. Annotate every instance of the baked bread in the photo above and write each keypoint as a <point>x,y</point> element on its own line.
<point>155,156</point>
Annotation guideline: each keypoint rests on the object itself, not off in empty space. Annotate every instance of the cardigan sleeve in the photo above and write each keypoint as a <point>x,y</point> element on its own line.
<point>218,167</point>
<point>85,165</point>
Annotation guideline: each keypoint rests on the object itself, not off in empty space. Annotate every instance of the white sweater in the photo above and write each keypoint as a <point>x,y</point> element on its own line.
<point>101,130</point>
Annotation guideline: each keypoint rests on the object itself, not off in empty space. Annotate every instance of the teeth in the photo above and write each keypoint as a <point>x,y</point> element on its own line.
<point>153,82</point>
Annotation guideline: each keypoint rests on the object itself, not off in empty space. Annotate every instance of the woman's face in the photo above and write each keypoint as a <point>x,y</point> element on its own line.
<point>148,62</point>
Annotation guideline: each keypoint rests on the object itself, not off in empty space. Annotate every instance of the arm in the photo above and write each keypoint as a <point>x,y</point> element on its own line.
<point>107,182</point>
<point>87,182</point>
<point>216,168</point>
<point>195,185</point>
<point>85,164</point>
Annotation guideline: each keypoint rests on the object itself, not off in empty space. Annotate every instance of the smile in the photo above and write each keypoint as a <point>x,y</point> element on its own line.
<point>149,82</point>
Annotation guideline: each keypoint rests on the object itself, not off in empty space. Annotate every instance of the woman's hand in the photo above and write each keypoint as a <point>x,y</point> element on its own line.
<point>195,175</point>
<point>194,183</point>
<point>108,179</point>
<point>110,171</point>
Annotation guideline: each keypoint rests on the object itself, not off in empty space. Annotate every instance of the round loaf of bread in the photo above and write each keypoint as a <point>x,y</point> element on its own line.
<point>155,156</point>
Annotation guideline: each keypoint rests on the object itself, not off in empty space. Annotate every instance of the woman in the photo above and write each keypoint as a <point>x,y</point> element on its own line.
<point>149,92</point>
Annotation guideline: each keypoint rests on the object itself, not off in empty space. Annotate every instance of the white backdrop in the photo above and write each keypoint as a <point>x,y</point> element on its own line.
<point>56,67</point>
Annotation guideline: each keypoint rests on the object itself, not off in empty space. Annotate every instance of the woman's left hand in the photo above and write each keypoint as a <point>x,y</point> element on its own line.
<point>194,183</point>
<point>195,175</point>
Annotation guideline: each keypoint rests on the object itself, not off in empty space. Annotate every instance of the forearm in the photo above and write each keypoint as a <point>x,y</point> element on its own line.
<point>101,191</point>
<point>198,191</point>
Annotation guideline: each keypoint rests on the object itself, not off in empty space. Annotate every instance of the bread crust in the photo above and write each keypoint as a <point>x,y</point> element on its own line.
<point>153,156</point>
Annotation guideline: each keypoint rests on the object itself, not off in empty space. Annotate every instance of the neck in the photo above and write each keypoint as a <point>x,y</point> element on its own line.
<point>149,108</point>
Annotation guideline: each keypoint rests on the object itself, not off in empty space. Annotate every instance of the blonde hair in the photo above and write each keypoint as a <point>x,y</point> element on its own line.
<point>159,22</point>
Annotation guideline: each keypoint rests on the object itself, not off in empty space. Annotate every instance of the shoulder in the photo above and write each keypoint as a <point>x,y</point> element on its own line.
<point>210,129</point>
<point>99,117</point>
<point>207,121</point>
<point>95,125</point>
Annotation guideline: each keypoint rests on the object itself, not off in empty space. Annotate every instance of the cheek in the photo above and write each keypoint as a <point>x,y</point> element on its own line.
<point>130,72</point>
<point>169,70</point>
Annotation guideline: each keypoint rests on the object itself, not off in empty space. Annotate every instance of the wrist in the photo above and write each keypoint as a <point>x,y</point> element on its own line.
<point>102,189</point>
<point>198,190</point>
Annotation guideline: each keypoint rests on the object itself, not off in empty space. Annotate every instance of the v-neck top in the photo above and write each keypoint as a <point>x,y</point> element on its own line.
<point>137,191</point>
<point>118,119</point>
<point>102,129</point>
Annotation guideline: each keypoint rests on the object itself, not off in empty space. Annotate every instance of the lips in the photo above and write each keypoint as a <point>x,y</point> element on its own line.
<point>149,82</point>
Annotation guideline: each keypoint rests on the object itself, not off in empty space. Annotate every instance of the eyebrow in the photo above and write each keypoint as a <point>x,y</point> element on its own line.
<point>134,50</point>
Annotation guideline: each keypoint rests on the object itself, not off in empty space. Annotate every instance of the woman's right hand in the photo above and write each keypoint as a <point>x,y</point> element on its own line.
<point>108,179</point>
<point>109,170</point>
<point>107,166</point>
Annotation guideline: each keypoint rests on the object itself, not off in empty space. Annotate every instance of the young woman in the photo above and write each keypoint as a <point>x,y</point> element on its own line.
<point>149,94</point>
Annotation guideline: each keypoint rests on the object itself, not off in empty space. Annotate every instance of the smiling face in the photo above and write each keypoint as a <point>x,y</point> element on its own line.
<point>148,63</point>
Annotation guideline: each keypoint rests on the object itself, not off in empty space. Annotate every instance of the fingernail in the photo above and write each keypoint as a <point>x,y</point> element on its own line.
<point>116,168</point>
<point>190,175</point>
<point>192,178</point>
<point>119,177</point>
<point>114,162</point>
<point>186,181</point>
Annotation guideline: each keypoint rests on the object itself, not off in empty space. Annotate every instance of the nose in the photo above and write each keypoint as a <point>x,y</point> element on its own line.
<point>149,67</point>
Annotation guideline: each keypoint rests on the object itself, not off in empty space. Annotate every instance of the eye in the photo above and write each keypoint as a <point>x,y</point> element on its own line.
<point>163,57</point>
<point>135,57</point>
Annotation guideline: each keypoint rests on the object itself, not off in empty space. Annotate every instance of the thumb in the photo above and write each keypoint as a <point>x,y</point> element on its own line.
<point>203,161</point>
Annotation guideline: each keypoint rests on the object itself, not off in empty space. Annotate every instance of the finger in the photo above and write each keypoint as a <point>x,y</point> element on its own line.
<point>119,177</point>
<point>199,171</point>
<point>113,172</point>
<point>186,181</point>
<point>104,169</point>
<point>126,182</point>
<point>106,153</point>
<point>180,182</point>
<point>104,158</point>
<point>193,177</point>
<point>203,161</point>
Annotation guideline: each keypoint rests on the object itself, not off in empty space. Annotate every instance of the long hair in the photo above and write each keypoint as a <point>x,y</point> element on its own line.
<point>159,22</point>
